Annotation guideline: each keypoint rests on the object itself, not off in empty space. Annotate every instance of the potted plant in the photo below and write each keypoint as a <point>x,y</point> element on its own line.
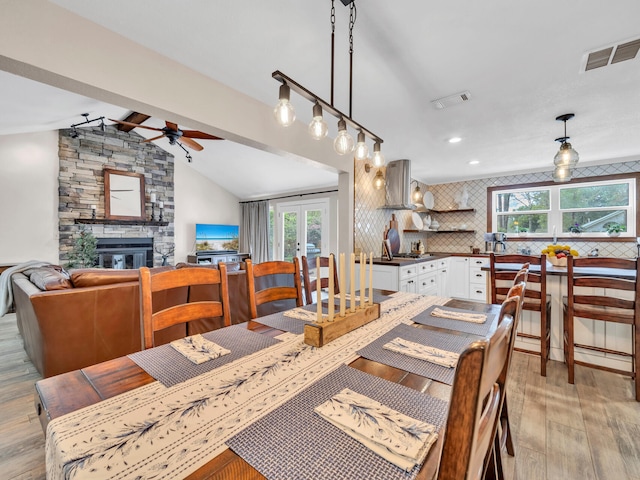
<point>614,229</point>
<point>576,229</point>
<point>522,231</point>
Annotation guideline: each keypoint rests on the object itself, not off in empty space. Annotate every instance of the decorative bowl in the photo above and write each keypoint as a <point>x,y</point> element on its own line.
<point>558,262</point>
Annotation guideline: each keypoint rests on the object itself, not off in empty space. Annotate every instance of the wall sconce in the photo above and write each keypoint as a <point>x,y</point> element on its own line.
<point>378,180</point>
<point>416,196</point>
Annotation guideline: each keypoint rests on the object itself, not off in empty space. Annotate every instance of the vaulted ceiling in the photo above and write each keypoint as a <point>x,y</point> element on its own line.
<point>522,66</point>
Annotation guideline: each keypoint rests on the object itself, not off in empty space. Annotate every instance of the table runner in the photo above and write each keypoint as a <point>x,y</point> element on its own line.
<point>170,367</point>
<point>167,433</point>
<point>482,329</point>
<point>295,442</point>
<point>444,341</point>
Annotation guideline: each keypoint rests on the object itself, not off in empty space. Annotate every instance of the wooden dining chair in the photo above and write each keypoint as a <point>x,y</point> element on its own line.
<point>536,299</point>
<point>610,300</point>
<point>273,286</point>
<point>474,407</point>
<point>154,319</point>
<point>311,286</point>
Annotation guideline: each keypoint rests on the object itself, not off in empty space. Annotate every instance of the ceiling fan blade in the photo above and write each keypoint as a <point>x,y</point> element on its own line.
<point>172,126</point>
<point>198,134</point>
<point>152,139</point>
<point>191,143</point>
<point>135,125</point>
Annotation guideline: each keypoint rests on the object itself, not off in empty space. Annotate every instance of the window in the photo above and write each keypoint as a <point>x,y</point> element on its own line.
<point>587,207</point>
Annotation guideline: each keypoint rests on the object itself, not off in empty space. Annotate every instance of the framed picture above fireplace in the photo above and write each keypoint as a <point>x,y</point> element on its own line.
<point>123,195</point>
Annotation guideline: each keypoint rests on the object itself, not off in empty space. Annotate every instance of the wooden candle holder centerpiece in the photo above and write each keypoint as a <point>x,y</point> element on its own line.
<point>319,334</point>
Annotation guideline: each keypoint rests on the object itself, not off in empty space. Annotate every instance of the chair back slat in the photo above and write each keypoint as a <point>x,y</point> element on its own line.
<point>310,285</point>
<point>151,284</point>
<point>264,284</point>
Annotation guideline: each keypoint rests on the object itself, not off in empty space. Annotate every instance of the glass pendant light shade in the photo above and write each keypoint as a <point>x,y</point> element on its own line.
<point>318,127</point>
<point>343,143</point>
<point>378,180</point>
<point>284,112</point>
<point>362,151</point>
<point>566,155</point>
<point>562,173</point>
<point>378,157</point>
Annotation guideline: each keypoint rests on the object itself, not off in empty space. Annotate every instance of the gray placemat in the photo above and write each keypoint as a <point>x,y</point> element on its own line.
<point>482,329</point>
<point>443,341</point>
<point>294,442</point>
<point>170,367</point>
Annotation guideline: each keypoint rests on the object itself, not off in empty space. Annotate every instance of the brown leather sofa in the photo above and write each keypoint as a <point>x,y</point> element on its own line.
<point>94,315</point>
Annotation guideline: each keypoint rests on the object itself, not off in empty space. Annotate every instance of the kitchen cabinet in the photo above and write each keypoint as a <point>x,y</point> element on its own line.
<point>459,274</point>
<point>417,277</point>
<point>443,277</point>
<point>428,278</point>
<point>478,279</point>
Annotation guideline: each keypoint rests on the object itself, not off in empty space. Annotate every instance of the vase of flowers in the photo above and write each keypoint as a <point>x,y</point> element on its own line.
<point>575,229</point>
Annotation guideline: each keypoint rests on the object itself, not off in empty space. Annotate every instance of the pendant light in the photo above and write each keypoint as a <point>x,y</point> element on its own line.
<point>343,143</point>
<point>378,181</point>
<point>567,158</point>
<point>284,112</point>
<point>378,157</point>
<point>362,151</point>
<point>318,127</point>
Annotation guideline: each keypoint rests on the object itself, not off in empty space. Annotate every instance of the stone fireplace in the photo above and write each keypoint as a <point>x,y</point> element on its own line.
<point>125,253</point>
<point>123,243</point>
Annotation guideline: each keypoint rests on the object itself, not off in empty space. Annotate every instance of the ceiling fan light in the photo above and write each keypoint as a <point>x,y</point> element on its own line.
<point>378,158</point>
<point>378,180</point>
<point>284,111</point>
<point>343,143</point>
<point>318,127</point>
<point>362,151</point>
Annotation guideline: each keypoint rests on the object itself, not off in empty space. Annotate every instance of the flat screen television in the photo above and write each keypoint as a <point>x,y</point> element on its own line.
<point>216,238</point>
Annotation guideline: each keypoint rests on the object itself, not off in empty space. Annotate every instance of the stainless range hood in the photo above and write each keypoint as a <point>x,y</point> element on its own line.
<point>398,186</point>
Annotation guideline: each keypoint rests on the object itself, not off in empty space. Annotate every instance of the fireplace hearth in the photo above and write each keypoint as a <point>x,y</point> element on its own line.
<point>125,253</point>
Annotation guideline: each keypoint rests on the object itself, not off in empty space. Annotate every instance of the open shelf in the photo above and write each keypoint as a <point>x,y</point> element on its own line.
<point>459,210</point>
<point>438,231</point>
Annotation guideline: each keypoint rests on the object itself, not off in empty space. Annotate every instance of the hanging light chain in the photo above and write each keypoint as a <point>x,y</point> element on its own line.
<point>352,22</point>
<point>333,43</point>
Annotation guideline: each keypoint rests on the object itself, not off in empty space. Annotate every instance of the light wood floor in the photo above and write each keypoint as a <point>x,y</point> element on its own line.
<point>590,430</point>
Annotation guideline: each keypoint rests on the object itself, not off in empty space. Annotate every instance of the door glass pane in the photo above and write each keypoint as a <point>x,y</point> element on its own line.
<point>314,233</point>
<point>290,235</point>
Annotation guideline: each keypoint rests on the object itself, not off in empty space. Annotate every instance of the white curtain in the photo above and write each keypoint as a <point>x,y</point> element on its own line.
<point>255,230</point>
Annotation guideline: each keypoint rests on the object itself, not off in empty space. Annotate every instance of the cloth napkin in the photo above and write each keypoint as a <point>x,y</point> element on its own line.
<point>302,314</point>
<point>423,352</point>
<point>198,349</point>
<point>396,437</point>
<point>464,316</point>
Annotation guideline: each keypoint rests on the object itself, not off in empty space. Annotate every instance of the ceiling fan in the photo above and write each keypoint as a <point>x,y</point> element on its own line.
<point>174,134</point>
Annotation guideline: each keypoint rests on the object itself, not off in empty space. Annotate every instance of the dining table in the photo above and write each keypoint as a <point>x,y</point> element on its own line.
<point>120,392</point>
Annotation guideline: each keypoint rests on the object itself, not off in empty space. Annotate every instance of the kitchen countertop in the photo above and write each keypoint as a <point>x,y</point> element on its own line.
<point>402,261</point>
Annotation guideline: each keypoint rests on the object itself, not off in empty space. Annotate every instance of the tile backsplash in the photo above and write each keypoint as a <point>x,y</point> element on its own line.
<point>370,221</point>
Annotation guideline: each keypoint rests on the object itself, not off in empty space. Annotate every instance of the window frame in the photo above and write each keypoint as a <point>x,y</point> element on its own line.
<point>633,217</point>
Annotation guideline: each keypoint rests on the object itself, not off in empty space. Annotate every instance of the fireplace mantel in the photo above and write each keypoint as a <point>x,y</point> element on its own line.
<point>105,221</point>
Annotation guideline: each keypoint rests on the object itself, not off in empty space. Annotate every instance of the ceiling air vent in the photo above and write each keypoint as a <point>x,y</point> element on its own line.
<point>451,100</point>
<point>613,54</point>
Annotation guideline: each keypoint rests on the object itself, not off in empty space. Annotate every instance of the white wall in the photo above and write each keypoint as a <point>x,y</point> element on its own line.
<point>198,200</point>
<point>29,197</point>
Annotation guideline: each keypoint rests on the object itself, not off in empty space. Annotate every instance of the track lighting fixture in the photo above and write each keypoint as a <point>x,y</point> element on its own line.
<point>567,158</point>
<point>318,127</point>
<point>74,132</point>
<point>343,143</point>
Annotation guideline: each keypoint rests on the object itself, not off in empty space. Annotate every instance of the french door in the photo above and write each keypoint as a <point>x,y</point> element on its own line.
<point>302,229</point>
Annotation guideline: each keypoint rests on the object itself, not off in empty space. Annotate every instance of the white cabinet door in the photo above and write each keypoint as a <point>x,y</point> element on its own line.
<point>409,285</point>
<point>385,277</point>
<point>459,277</point>
<point>443,277</point>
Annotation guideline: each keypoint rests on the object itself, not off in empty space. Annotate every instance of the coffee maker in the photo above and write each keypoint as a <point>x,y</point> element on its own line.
<point>495,242</point>
<point>500,242</point>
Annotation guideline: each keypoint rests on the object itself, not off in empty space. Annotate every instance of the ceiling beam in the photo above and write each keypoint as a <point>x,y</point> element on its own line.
<point>133,117</point>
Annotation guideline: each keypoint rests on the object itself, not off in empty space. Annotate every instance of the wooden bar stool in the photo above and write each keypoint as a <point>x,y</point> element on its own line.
<point>536,299</point>
<point>613,299</point>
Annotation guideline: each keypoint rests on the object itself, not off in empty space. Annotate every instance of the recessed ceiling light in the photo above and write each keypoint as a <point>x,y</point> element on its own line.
<point>455,139</point>
<point>474,162</point>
